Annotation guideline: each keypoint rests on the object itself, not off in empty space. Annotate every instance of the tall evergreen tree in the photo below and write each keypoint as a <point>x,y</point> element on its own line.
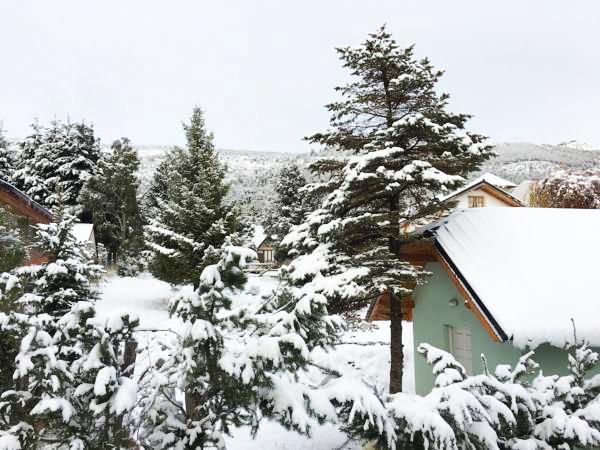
<point>289,207</point>
<point>67,159</point>
<point>188,214</point>
<point>111,195</point>
<point>72,384</point>
<point>26,176</point>
<point>57,159</point>
<point>33,299</point>
<point>240,362</point>
<point>401,148</point>
<point>6,158</point>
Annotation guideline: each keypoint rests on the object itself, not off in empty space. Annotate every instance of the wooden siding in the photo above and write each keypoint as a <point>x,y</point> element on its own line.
<point>22,207</point>
<point>419,253</point>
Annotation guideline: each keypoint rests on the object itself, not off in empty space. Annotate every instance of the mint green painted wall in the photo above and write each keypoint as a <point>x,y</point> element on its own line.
<point>432,315</point>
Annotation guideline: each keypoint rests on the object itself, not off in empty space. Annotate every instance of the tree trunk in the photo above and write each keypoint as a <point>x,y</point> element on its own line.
<point>128,367</point>
<point>396,346</point>
<point>192,401</point>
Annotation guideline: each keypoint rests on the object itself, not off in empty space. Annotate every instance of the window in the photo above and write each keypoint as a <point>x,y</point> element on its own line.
<point>459,344</point>
<point>265,255</point>
<point>476,201</point>
<point>268,256</point>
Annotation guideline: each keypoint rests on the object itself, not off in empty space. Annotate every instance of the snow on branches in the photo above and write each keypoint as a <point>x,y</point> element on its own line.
<point>512,409</point>
<point>564,189</point>
<point>65,380</point>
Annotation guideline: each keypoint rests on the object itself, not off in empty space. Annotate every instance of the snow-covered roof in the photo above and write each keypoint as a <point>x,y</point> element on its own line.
<point>529,270</point>
<point>259,236</point>
<point>25,199</point>
<point>487,178</point>
<point>522,191</point>
<point>83,232</point>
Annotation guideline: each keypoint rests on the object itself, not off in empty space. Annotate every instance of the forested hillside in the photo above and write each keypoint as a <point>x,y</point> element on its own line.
<point>252,173</point>
<point>518,161</point>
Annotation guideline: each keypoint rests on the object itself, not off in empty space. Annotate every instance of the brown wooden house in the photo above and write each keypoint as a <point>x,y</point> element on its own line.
<point>266,251</point>
<point>25,212</point>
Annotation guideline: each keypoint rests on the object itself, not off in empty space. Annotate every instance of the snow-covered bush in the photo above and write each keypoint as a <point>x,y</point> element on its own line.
<point>564,189</point>
<point>102,391</point>
<point>131,264</point>
<point>510,409</point>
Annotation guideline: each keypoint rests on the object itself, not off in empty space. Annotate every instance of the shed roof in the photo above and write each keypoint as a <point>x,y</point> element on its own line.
<point>83,232</point>
<point>530,270</point>
<point>259,236</point>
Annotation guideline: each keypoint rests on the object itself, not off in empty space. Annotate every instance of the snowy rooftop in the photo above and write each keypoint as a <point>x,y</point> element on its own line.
<point>523,191</point>
<point>259,236</point>
<point>533,269</point>
<point>495,180</point>
<point>488,178</point>
<point>83,231</point>
<point>4,185</point>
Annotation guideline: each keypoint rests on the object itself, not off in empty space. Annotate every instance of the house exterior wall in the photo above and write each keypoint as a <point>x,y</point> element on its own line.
<point>266,253</point>
<point>490,201</point>
<point>432,316</point>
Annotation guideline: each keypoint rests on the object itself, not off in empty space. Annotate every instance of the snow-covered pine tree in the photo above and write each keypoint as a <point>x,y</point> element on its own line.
<point>570,414</point>
<point>507,410</point>
<point>56,159</point>
<point>46,166</point>
<point>240,362</point>
<point>26,177</point>
<point>77,160</point>
<point>111,195</point>
<point>102,391</point>
<point>289,208</point>
<point>66,159</point>
<point>6,158</point>
<point>402,148</point>
<point>481,412</point>
<point>214,400</point>
<point>33,300</point>
<point>187,212</point>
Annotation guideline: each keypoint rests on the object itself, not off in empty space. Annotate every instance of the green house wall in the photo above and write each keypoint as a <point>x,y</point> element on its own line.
<point>433,314</point>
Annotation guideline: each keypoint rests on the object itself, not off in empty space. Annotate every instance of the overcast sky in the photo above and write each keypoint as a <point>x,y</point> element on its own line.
<point>262,70</point>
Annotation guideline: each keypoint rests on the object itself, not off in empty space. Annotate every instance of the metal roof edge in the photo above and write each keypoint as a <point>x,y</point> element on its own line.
<point>501,334</point>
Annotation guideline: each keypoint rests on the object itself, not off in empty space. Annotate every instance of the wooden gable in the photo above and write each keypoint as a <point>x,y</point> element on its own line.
<point>500,194</point>
<point>420,252</point>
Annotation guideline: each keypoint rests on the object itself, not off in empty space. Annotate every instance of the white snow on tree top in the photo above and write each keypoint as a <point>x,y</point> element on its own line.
<point>488,178</point>
<point>534,269</point>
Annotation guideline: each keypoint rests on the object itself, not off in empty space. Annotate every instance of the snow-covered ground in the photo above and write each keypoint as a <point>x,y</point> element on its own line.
<point>363,352</point>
